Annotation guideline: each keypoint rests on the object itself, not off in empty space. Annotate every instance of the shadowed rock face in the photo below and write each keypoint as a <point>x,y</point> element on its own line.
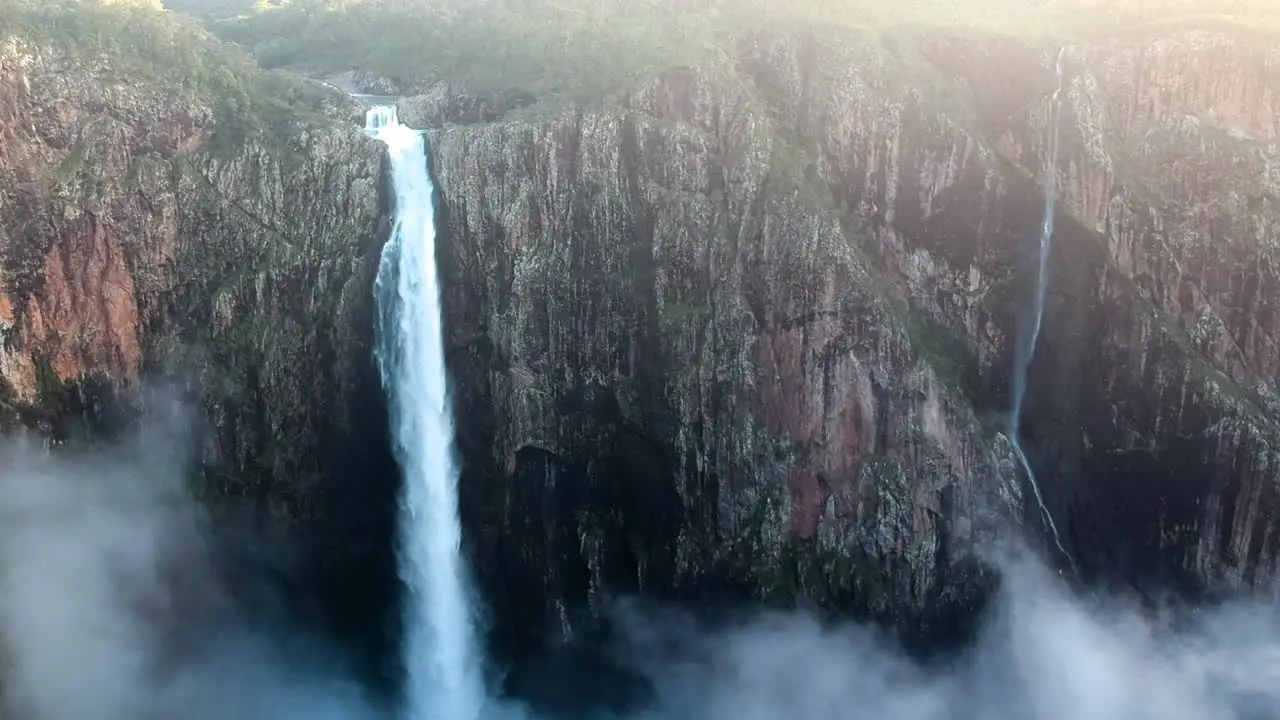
<point>144,233</point>
<point>1157,415</point>
<point>674,337</point>
<point>754,323</point>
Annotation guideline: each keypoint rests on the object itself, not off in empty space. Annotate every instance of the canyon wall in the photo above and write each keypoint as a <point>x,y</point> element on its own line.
<point>154,228</point>
<point>752,324</point>
<point>745,328</point>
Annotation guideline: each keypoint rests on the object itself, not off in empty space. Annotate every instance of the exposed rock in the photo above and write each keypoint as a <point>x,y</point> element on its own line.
<point>148,231</point>
<point>747,327</point>
<point>768,308</point>
<point>689,358</point>
<point>440,104</point>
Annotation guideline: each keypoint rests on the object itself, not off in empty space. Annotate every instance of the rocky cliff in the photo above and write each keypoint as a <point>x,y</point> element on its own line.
<point>754,321</point>
<point>743,327</point>
<point>1159,385</point>
<point>168,212</point>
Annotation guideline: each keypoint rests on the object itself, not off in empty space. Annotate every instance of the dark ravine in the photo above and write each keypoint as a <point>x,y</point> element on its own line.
<point>744,331</point>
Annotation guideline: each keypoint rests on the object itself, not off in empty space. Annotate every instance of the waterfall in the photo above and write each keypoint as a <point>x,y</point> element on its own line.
<point>1024,351</point>
<point>442,662</point>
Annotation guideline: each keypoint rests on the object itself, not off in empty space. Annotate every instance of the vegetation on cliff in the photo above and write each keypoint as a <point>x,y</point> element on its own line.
<point>103,105</point>
<point>593,49</point>
<point>170,211</point>
<point>138,42</point>
<point>553,50</point>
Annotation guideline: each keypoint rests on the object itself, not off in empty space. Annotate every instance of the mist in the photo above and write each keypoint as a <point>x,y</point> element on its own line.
<point>114,605</point>
<point>115,602</point>
<point>1044,653</point>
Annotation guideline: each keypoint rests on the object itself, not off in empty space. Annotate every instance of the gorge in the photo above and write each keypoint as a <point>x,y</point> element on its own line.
<point>774,310</point>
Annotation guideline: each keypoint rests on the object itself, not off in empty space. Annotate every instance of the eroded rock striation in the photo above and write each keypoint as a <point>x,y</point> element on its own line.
<point>754,321</point>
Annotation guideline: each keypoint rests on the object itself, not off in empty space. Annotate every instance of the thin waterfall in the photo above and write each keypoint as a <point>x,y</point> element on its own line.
<point>442,662</point>
<point>1024,351</point>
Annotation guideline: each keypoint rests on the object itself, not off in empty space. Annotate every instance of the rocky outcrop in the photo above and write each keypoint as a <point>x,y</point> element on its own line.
<point>755,322</point>
<point>149,229</point>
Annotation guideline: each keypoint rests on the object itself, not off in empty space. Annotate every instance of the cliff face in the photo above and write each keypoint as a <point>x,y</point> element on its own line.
<point>755,321</point>
<point>144,230</point>
<point>748,326</point>
<point>1161,404</point>
<point>680,357</point>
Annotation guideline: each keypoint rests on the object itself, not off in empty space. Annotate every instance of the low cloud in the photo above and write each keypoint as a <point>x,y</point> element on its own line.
<point>1044,653</point>
<point>114,606</point>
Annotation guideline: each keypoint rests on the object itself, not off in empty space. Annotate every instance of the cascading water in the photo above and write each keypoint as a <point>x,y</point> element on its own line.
<point>1025,350</point>
<point>441,660</point>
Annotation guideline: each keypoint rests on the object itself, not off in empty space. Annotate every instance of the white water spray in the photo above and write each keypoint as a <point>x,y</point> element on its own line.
<point>441,660</point>
<point>1025,351</point>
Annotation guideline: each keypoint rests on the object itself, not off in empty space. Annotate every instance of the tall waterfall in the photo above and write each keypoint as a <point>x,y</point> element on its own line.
<point>1026,349</point>
<point>441,658</point>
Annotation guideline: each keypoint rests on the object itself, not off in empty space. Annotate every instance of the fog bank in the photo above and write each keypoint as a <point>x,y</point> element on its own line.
<point>114,604</point>
<point>1044,653</point>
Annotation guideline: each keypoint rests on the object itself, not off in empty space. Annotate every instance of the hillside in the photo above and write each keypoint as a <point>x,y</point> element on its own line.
<point>591,49</point>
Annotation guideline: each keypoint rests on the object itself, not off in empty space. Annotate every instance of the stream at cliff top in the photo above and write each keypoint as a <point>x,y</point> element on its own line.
<point>442,663</point>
